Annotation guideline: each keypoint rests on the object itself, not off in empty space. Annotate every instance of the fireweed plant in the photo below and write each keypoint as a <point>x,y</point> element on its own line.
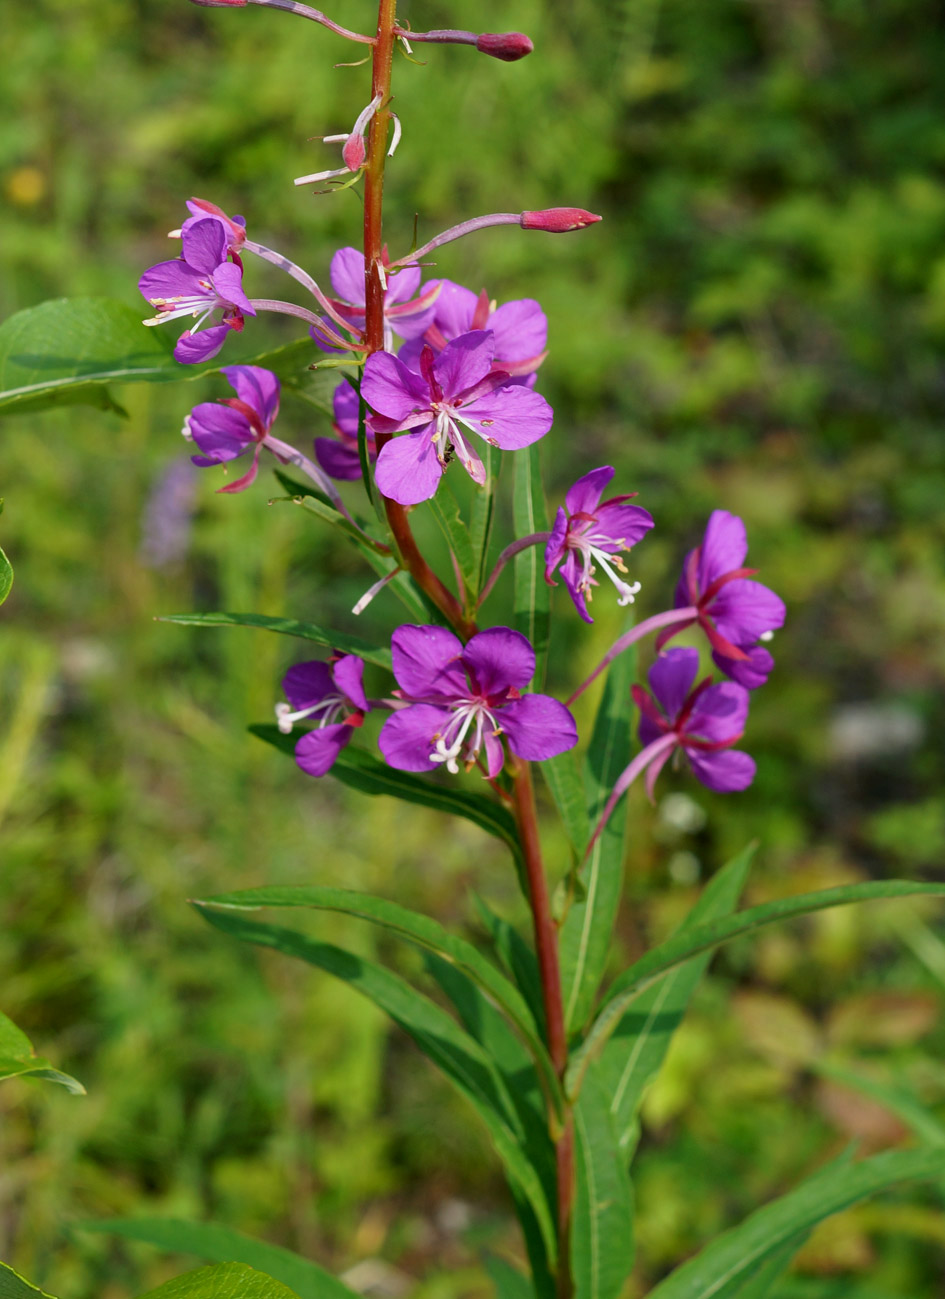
<point>437,380</point>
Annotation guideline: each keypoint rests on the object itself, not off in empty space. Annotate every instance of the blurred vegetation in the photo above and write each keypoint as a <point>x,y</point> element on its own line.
<point>757,325</point>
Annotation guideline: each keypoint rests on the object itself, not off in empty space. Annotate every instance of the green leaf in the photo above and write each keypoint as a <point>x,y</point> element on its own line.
<point>219,1244</point>
<point>435,1032</point>
<point>508,1280</point>
<point>6,577</point>
<point>445,510</point>
<point>586,932</point>
<point>423,932</point>
<point>602,1236</point>
<point>532,594</point>
<point>563,778</point>
<point>767,1274</point>
<point>482,517</point>
<point>222,1281</point>
<point>13,1286</point>
<point>362,771</point>
<point>18,1060</point>
<point>690,942</point>
<point>635,1052</point>
<point>734,1256</point>
<point>517,957</point>
<point>288,627</point>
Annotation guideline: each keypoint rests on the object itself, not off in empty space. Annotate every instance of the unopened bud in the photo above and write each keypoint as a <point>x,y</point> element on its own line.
<point>354,153</point>
<point>507,46</point>
<point>557,220</point>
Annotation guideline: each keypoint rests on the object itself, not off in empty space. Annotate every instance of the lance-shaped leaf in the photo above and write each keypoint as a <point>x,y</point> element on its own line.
<point>13,1286</point>
<point>563,777</point>
<point>633,1056</point>
<point>734,1256</point>
<point>691,942</point>
<point>218,1244</point>
<point>423,932</point>
<point>362,771</point>
<point>767,1274</point>
<point>222,1281</point>
<point>532,597</point>
<point>602,1234</point>
<point>18,1060</point>
<point>483,514</point>
<point>287,627</point>
<point>587,930</point>
<point>517,957</point>
<point>445,510</point>
<point>6,577</point>
<point>435,1032</point>
<point>508,1280</point>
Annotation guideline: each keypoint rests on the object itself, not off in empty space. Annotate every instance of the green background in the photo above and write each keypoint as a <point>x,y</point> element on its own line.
<point>757,325</point>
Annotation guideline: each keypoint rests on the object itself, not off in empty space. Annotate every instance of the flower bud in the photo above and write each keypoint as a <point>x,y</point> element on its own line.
<point>507,46</point>
<point>557,220</point>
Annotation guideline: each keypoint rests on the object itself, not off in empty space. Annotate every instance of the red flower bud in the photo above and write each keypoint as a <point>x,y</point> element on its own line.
<point>507,46</point>
<point>557,220</point>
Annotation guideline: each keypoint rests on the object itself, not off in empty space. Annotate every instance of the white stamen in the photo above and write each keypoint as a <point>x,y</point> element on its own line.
<point>766,636</point>
<point>395,138</point>
<point>465,713</point>
<point>330,706</point>
<point>187,431</point>
<point>321,175</point>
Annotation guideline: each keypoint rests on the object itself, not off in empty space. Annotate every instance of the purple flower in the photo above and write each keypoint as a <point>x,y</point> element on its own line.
<point>199,283</point>
<point>587,535</point>
<point>462,699</point>
<point>405,314</point>
<point>323,693</point>
<point>705,722</point>
<point>520,328</point>
<point>459,388</point>
<point>225,429</point>
<point>339,458</point>
<point>234,227</point>
<point>734,613</point>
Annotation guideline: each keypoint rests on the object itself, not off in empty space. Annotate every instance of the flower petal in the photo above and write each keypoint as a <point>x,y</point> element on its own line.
<point>307,683</point>
<point>338,461</point>
<point>584,496</point>
<point>344,404</point>
<point>193,348</point>
<point>347,275</point>
<point>495,754</point>
<point>391,389</point>
<point>726,771</point>
<point>625,525</point>
<point>228,282</point>
<point>743,610</point>
<point>671,678</point>
<point>173,279</point>
<point>751,672</point>
<point>724,547</point>
<point>204,245</point>
<point>406,739</point>
<point>498,660</point>
<point>426,662</point>
<point>408,470</point>
<point>510,417</point>
<point>464,362</point>
<point>573,573</point>
<point>720,713</point>
<point>316,752</point>
<point>219,432</point>
<point>554,547</point>
<point>520,329</point>
<point>401,286</point>
<point>348,675</point>
<point>538,727</point>
<point>454,308</point>
<point>256,386</point>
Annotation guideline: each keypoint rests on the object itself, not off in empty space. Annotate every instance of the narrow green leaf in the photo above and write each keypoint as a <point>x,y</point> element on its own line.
<point>587,930</point>
<point>602,1238</point>
<point>508,1280</point>
<point>482,517</point>
<point>736,1254</point>
<point>18,1060</point>
<point>288,627</point>
<point>760,1285</point>
<point>532,596</point>
<point>219,1244</point>
<point>423,932</point>
<point>440,1038</point>
<point>315,387</point>
<point>6,577</point>
<point>897,1100</point>
<point>517,957</point>
<point>563,778</point>
<point>362,771</point>
<point>690,942</point>
<point>633,1056</point>
<point>13,1286</point>
<point>222,1281</point>
<point>445,510</point>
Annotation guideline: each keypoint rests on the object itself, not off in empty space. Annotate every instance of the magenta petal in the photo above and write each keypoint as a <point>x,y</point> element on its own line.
<point>495,754</point>
<point>401,286</point>
<point>751,672</point>
<point>228,282</point>
<point>724,547</point>
<point>348,674</point>
<point>671,678</point>
<point>624,524</point>
<point>744,610</point>
<point>454,308</point>
<point>426,662</point>
<point>726,772</point>
<point>338,461</point>
<point>464,362</point>
<point>204,245</point>
<point>538,727</point>
<point>391,389</point>
<point>307,683</point>
<point>509,418</point>
<point>344,404</point>
<point>572,572</point>
<point>555,547</point>
<point>193,348</point>
<point>584,496</point>
<point>720,713</point>
<point>520,329</point>
<point>174,279</point>
<point>219,432</point>
<point>316,752</point>
<point>408,470</point>
<point>498,660</point>
<point>347,275</point>
<point>256,386</point>
<point>406,739</point>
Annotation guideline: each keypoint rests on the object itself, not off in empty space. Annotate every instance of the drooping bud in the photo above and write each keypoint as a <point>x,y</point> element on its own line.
<point>507,46</point>
<point>557,220</point>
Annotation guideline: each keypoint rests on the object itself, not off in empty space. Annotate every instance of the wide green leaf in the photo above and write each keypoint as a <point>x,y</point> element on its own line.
<point>423,931</point>
<point>362,771</point>
<point>288,627</point>
<point>633,1055</point>
<point>222,1281</point>
<point>18,1060</point>
<point>219,1244</point>
<point>532,598</point>
<point>6,577</point>
<point>13,1286</point>
<point>435,1032</point>
<point>602,1235</point>
<point>691,942</point>
<point>735,1254</point>
<point>563,778</point>
<point>586,932</point>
